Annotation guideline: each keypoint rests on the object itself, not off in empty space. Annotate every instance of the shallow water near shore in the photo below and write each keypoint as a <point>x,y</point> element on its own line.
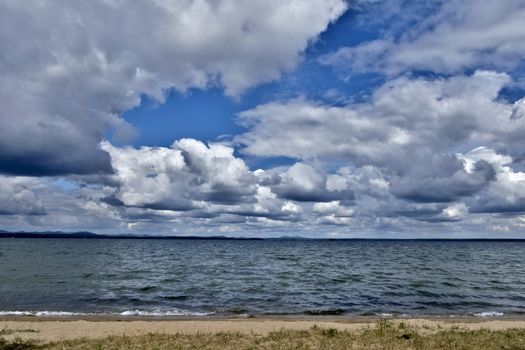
<point>54,277</point>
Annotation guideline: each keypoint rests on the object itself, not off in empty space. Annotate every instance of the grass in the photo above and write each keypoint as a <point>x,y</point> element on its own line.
<point>18,344</point>
<point>385,335</point>
<point>7,331</point>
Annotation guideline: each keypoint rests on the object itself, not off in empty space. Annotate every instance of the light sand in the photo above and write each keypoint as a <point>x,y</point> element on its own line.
<point>54,329</point>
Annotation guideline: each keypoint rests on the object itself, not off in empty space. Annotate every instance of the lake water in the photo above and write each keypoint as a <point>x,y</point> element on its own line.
<point>245,277</point>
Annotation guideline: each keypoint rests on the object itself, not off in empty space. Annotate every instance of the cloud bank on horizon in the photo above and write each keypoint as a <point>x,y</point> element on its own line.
<point>359,118</point>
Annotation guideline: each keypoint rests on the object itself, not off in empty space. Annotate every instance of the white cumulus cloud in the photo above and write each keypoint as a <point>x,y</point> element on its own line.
<point>70,69</point>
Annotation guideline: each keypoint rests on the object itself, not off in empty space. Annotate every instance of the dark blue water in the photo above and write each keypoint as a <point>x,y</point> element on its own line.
<point>201,277</point>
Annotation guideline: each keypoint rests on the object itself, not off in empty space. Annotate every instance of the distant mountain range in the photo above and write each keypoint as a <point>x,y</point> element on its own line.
<point>48,234</point>
<point>91,235</point>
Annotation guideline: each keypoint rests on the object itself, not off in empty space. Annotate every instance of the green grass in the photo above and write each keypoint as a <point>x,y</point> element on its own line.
<point>385,335</point>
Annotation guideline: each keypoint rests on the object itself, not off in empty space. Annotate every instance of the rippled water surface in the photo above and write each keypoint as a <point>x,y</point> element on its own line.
<point>176,277</point>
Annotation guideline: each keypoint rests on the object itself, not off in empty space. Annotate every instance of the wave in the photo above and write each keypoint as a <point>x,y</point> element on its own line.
<point>489,314</point>
<point>143,313</point>
<point>177,312</point>
<point>43,313</point>
<point>164,313</point>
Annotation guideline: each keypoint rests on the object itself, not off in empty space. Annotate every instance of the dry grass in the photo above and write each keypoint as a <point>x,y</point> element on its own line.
<point>385,335</point>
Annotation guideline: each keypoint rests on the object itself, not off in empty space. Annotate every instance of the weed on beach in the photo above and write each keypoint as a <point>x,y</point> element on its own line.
<point>384,335</point>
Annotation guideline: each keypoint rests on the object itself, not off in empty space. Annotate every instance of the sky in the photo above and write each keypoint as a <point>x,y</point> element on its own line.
<point>316,118</point>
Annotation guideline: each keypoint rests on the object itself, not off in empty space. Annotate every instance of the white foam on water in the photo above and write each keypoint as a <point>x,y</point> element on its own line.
<point>489,314</point>
<point>155,313</point>
<point>164,313</point>
<point>176,312</point>
<point>42,313</point>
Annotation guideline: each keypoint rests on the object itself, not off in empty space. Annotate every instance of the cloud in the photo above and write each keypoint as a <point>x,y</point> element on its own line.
<point>72,69</point>
<point>518,109</point>
<point>17,197</point>
<point>399,145</point>
<point>506,194</point>
<point>41,203</point>
<point>184,177</point>
<point>291,207</point>
<point>456,212</point>
<point>405,122</point>
<point>424,152</point>
<point>383,164</point>
<point>333,213</point>
<point>333,207</point>
<point>442,180</point>
<point>208,184</point>
<point>303,183</point>
<point>455,36</point>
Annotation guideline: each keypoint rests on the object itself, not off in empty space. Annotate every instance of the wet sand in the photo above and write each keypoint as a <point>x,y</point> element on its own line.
<point>60,328</point>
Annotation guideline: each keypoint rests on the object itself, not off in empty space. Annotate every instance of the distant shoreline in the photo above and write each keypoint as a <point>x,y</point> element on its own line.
<point>91,235</point>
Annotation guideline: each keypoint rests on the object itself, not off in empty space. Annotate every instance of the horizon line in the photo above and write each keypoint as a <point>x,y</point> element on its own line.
<point>91,235</point>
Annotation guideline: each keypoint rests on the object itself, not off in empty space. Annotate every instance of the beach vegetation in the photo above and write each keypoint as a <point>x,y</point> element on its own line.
<point>385,335</point>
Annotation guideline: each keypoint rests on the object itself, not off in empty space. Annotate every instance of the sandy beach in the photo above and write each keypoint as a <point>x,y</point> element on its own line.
<point>56,329</point>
